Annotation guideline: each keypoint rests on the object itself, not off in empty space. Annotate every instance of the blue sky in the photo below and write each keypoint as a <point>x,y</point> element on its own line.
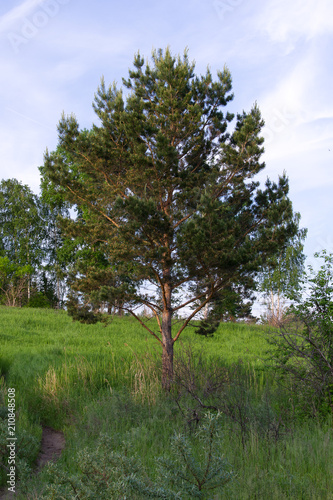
<point>54,52</point>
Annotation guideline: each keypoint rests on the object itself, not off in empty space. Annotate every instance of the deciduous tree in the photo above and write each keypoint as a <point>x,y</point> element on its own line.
<point>14,282</point>
<point>281,275</point>
<point>59,249</point>
<point>22,228</point>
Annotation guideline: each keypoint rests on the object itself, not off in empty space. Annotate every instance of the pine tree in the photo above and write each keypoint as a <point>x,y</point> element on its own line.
<point>169,192</point>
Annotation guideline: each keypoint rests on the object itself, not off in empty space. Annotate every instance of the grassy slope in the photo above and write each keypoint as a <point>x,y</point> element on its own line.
<point>72,376</point>
<point>35,341</point>
<point>32,339</point>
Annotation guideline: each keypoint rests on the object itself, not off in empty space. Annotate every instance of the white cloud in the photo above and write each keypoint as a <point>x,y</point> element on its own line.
<point>19,155</point>
<point>17,13</point>
<point>285,21</point>
<point>299,120</point>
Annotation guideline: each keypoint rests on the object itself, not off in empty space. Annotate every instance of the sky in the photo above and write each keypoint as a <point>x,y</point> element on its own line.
<point>53,54</point>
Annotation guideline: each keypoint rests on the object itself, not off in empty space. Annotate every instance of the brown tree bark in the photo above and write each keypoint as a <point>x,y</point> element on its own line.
<point>167,355</point>
<point>167,340</point>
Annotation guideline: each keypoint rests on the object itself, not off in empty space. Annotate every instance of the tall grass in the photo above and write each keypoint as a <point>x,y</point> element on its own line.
<point>52,360</point>
<point>95,380</point>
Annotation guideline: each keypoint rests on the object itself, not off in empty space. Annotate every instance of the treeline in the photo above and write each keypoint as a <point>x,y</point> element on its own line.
<point>32,272</point>
<point>39,262</point>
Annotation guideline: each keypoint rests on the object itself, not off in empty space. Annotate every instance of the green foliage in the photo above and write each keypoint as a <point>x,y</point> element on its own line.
<point>14,281</point>
<point>208,326</point>
<point>39,300</point>
<point>26,450</point>
<point>305,344</point>
<point>60,251</point>
<point>197,470</point>
<point>282,274</point>
<point>82,313</point>
<point>228,304</point>
<point>28,235</point>
<point>165,196</point>
<point>88,299</point>
<point>104,473</point>
<point>234,302</point>
<point>22,229</point>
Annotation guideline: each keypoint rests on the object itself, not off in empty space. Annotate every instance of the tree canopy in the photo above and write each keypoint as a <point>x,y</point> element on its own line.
<point>28,244</point>
<point>282,274</point>
<point>22,237</point>
<point>165,192</point>
<point>21,228</point>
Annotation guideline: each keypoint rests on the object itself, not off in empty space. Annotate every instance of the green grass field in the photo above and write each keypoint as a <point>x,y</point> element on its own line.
<point>101,384</point>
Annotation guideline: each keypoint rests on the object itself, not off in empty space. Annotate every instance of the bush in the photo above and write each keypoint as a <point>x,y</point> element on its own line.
<point>196,468</point>
<point>303,348</point>
<point>201,386</point>
<point>39,300</point>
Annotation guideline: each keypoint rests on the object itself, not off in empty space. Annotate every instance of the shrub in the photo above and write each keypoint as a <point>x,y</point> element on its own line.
<point>303,348</point>
<point>195,468</point>
<point>39,299</point>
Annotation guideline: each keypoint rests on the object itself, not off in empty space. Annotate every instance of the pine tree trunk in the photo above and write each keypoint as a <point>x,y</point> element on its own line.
<point>167,356</point>
<point>120,309</point>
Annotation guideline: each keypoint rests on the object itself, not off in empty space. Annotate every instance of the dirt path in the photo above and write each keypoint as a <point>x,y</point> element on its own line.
<point>53,442</point>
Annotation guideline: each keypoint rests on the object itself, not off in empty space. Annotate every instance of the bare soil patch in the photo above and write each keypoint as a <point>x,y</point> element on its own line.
<point>53,442</point>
